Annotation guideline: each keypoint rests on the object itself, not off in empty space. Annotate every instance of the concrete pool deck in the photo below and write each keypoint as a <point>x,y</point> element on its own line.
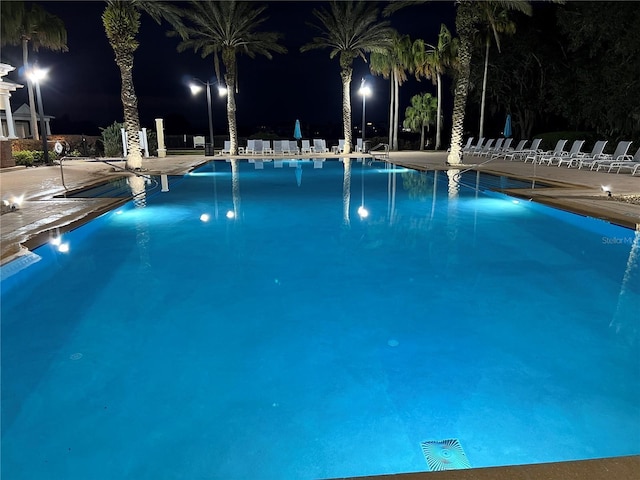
<point>43,211</point>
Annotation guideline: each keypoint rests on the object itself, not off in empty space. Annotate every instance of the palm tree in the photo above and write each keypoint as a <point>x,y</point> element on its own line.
<point>349,29</point>
<point>393,64</point>
<point>35,27</point>
<point>421,114</point>
<point>468,17</point>
<point>229,28</point>
<point>434,61</point>
<point>496,20</point>
<point>121,20</point>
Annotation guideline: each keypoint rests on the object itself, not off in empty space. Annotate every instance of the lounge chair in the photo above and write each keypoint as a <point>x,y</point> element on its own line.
<point>306,147</point>
<point>477,147</point>
<point>509,151</point>
<point>227,148</point>
<point>487,146</point>
<point>319,145</point>
<point>491,150</point>
<point>556,151</point>
<point>293,147</point>
<point>278,148</point>
<point>521,151</point>
<point>627,163</point>
<point>359,145</point>
<point>617,156</point>
<point>340,147</point>
<point>266,147</point>
<point>251,147</point>
<point>588,159</point>
<point>568,157</point>
<point>467,146</point>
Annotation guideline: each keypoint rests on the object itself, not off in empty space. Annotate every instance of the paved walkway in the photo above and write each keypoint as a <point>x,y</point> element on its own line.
<point>44,209</point>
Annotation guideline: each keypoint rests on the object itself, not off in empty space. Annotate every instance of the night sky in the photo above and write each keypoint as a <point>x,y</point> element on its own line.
<point>83,86</point>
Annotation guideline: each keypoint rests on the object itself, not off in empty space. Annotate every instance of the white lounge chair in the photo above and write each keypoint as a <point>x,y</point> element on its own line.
<point>359,145</point>
<point>588,159</point>
<point>627,163</point>
<point>487,146</point>
<point>226,149</point>
<point>556,151</point>
<point>293,147</point>
<point>320,145</point>
<point>563,156</point>
<point>605,160</point>
<point>522,154</point>
<point>492,149</point>
<point>467,146</point>
<point>278,147</point>
<point>251,147</point>
<point>509,150</point>
<point>266,147</point>
<point>306,146</point>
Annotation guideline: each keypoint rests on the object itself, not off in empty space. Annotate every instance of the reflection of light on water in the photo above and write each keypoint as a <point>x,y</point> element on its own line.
<point>154,215</point>
<point>209,174</point>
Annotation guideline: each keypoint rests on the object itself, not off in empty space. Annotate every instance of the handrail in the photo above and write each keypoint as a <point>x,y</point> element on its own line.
<point>136,173</point>
<point>385,153</point>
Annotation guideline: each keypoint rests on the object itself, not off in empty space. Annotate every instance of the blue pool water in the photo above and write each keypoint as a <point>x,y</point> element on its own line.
<point>250,324</point>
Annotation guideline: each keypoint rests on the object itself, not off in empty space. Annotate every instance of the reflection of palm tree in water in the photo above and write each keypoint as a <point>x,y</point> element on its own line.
<point>138,191</point>
<point>629,297</point>
<point>346,190</point>
<point>235,187</point>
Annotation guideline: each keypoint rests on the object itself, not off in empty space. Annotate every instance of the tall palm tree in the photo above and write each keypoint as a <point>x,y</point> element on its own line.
<point>33,27</point>
<point>229,28</point>
<point>393,64</point>
<point>495,20</point>
<point>468,17</point>
<point>421,114</point>
<point>349,29</point>
<point>433,62</point>
<point>121,20</point>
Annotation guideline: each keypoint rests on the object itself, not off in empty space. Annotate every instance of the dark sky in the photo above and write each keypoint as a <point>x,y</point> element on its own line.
<point>84,84</point>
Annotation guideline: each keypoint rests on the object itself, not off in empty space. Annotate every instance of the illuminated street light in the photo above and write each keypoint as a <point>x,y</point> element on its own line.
<point>222,91</point>
<point>364,91</point>
<point>36,75</point>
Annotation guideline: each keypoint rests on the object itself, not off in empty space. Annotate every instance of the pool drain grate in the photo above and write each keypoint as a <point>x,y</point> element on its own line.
<point>445,455</point>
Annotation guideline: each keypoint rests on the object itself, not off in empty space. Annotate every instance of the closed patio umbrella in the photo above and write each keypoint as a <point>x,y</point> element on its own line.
<point>297,133</point>
<point>507,127</point>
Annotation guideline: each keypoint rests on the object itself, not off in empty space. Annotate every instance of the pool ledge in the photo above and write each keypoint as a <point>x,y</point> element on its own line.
<point>616,468</point>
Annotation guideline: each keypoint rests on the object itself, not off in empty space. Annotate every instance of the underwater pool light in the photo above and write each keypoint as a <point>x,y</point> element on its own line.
<point>63,247</point>
<point>231,214</point>
<point>205,217</point>
<point>363,212</point>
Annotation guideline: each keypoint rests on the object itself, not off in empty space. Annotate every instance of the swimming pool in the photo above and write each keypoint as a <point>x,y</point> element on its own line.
<point>275,320</point>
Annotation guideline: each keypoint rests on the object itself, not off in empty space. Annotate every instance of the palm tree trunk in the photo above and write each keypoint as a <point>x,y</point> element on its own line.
<point>229,61</point>
<point>32,102</point>
<point>396,108</point>
<point>464,26</point>
<point>391,108</point>
<point>346,74</point>
<point>130,104</point>
<point>484,88</point>
<point>439,112</point>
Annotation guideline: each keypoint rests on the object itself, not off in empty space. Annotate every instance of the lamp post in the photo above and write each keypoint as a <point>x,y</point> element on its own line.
<point>37,74</point>
<point>195,89</point>
<point>364,92</point>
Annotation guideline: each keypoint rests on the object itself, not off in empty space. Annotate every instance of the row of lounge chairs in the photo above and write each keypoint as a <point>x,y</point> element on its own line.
<point>287,147</point>
<point>619,161</point>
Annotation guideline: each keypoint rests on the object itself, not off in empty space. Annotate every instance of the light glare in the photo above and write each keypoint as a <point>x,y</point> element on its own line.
<point>205,217</point>
<point>231,214</point>
<point>363,212</point>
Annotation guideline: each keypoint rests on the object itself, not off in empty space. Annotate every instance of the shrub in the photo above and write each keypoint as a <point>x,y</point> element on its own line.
<point>112,140</point>
<point>24,157</point>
